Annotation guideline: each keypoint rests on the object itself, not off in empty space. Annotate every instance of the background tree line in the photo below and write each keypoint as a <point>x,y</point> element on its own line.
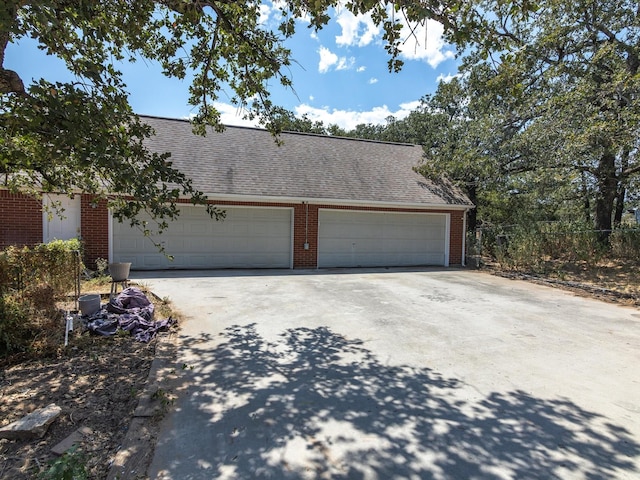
<point>543,121</point>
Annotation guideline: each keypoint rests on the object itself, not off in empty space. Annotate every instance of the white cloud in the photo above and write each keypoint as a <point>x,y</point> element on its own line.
<point>232,115</point>
<point>345,63</point>
<point>311,98</point>
<point>372,81</point>
<point>425,42</point>
<point>361,68</point>
<point>407,107</point>
<point>265,13</point>
<point>349,119</point>
<point>327,59</point>
<point>356,30</point>
<point>421,42</point>
<point>446,78</point>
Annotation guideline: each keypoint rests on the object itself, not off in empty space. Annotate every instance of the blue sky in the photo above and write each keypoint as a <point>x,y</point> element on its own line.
<point>340,75</point>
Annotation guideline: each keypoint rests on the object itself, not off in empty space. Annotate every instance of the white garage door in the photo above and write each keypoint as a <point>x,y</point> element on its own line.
<point>379,239</point>
<point>246,238</point>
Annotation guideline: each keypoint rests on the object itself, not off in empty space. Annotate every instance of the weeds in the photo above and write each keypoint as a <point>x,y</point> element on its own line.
<point>70,466</point>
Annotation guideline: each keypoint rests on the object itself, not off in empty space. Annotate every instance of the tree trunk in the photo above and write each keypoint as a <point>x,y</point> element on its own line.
<point>607,182</point>
<point>472,215</point>
<point>622,188</point>
<point>586,200</point>
<point>617,218</point>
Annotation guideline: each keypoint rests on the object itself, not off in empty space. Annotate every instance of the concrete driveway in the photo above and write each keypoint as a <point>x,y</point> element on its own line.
<point>381,374</point>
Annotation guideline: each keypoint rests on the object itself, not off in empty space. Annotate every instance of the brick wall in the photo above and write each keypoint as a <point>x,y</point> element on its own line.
<point>305,230</point>
<point>21,224</point>
<point>20,219</point>
<point>94,229</point>
<point>95,221</point>
<point>456,237</point>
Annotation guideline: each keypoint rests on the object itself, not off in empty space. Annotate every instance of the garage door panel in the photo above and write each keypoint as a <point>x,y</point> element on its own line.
<point>368,239</point>
<point>246,238</point>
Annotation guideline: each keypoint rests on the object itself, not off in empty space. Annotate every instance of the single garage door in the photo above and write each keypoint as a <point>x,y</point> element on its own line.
<point>381,239</point>
<point>246,238</point>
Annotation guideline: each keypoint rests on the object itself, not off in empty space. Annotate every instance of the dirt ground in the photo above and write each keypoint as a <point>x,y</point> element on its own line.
<point>612,281</point>
<point>98,381</point>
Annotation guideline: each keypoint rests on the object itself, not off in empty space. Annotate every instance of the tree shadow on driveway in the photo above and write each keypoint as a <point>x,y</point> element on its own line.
<point>313,404</point>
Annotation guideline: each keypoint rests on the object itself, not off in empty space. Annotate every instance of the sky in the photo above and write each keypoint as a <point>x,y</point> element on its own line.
<point>340,74</point>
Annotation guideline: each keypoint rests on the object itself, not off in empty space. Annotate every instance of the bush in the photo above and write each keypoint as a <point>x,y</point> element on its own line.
<point>31,279</point>
<point>15,334</point>
<point>532,246</point>
<point>625,244</point>
<point>56,264</point>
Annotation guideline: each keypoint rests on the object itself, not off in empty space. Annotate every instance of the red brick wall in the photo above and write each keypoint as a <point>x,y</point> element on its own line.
<point>305,230</point>
<point>21,224</point>
<point>20,219</point>
<point>94,229</point>
<point>456,237</point>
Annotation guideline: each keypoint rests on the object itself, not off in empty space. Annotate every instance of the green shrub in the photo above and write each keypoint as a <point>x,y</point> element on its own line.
<point>530,247</point>
<point>625,244</point>
<point>56,264</point>
<point>70,466</point>
<point>15,334</point>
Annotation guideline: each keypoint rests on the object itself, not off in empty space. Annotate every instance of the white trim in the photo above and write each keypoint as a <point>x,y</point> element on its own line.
<point>110,235</point>
<point>212,197</point>
<point>464,238</point>
<point>447,238</point>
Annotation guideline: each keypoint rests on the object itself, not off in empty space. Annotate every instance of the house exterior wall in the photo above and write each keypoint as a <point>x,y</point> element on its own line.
<point>20,220</point>
<point>94,220</point>
<point>305,227</point>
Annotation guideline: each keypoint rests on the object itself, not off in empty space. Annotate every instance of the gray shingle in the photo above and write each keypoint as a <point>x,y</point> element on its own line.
<point>247,161</point>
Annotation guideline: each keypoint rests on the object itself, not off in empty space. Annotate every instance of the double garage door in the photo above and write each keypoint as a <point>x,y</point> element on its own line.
<point>246,238</point>
<point>378,239</point>
<point>262,238</point>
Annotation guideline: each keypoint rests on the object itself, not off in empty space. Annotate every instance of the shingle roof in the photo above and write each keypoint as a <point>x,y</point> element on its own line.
<point>248,162</point>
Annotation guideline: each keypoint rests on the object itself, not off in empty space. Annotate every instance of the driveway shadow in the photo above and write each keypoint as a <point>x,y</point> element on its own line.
<point>313,404</point>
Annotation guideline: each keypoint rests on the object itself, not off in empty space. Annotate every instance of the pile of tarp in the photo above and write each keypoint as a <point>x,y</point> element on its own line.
<point>130,311</point>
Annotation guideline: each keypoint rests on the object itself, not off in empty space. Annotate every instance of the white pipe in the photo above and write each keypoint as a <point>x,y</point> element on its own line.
<point>464,237</point>
<point>68,327</point>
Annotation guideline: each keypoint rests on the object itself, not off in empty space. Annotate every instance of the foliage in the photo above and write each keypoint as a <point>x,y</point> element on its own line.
<point>83,135</point>
<point>70,466</point>
<point>543,121</point>
<point>531,247</point>
<point>31,279</point>
<point>102,265</point>
<point>625,243</point>
<point>559,88</point>
<point>15,334</point>
<point>56,264</point>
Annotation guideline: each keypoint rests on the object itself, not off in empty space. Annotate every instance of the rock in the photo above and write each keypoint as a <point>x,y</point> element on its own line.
<point>34,425</point>
<point>76,437</point>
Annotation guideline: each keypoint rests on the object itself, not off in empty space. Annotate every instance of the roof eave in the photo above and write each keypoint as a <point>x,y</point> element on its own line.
<point>333,201</point>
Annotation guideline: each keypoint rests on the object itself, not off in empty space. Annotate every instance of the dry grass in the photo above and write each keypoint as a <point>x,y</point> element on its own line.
<point>97,381</point>
<point>611,280</point>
